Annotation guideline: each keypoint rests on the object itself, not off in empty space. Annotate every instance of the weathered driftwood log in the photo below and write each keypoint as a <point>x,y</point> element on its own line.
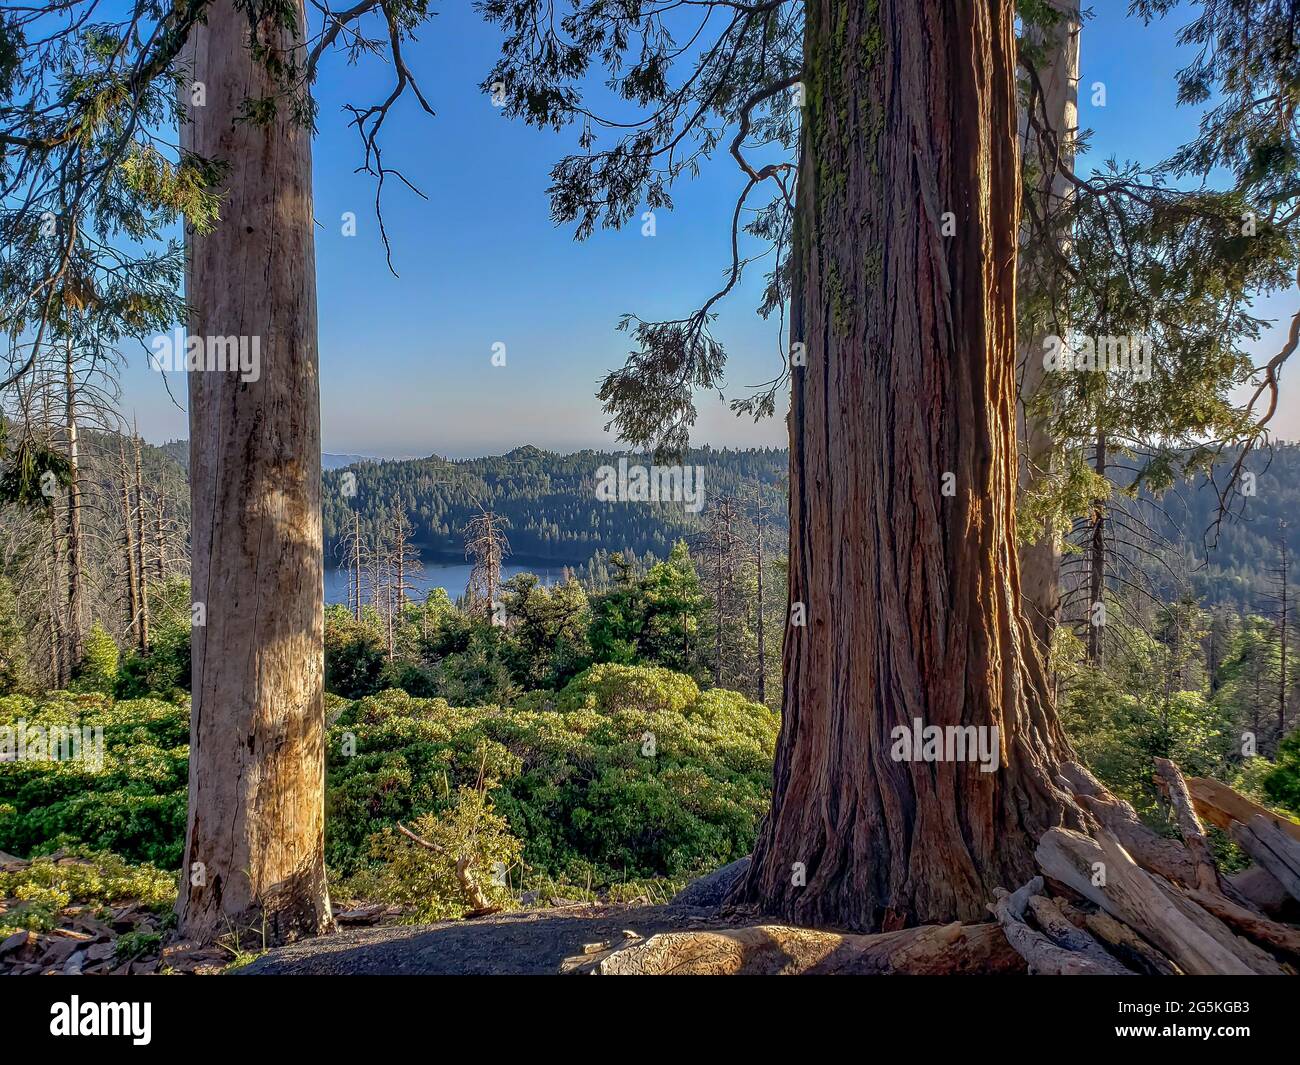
<point>1256,926</point>
<point>1128,946</point>
<point>1044,956</point>
<point>1220,806</point>
<point>1208,891</point>
<point>1171,780</point>
<point>1064,934</point>
<point>1257,885</point>
<point>1106,874</point>
<point>767,950</point>
<point>1167,857</point>
<point>1265,840</point>
<point>1189,864</point>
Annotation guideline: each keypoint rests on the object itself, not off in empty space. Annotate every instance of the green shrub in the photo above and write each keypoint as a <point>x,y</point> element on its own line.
<point>98,670</point>
<point>134,805</point>
<point>427,883</point>
<point>628,772</point>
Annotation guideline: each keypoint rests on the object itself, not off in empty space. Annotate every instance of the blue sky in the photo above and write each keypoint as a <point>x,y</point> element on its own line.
<point>406,362</point>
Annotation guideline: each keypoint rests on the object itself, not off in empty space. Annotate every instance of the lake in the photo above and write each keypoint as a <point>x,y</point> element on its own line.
<point>453,576</point>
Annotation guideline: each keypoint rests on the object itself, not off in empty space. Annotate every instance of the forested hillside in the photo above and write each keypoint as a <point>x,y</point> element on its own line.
<point>547,501</point>
<point>1234,564</point>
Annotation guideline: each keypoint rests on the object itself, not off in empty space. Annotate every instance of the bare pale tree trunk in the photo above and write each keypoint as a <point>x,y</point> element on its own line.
<point>254,849</point>
<point>1097,562</point>
<point>762,639</point>
<point>1057,80</point>
<point>718,614</point>
<point>356,556</point>
<point>75,562</point>
<point>160,542</point>
<point>399,550</point>
<point>59,664</point>
<point>902,483</point>
<point>128,544</point>
<point>142,574</point>
<point>486,545</point>
<point>1284,600</point>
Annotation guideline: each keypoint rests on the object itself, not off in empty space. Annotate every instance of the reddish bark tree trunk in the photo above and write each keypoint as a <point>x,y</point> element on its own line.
<point>257,768</point>
<point>912,593</point>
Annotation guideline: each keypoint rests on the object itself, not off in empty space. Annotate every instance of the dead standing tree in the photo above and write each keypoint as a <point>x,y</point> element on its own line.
<point>485,546</point>
<point>1279,600</point>
<point>719,548</point>
<point>760,513</point>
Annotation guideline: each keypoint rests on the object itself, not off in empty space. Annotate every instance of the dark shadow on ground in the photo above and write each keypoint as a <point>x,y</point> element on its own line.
<point>532,942</point>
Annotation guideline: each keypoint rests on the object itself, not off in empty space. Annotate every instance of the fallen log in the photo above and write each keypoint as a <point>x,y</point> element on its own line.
<point>1128,946</point>
<point>1043,956</point>
<point>768,950</point>
<point>1167,857</point>
<point>1067,935</point>
<point>1103,872</point>
<point>1257,886</point>
<point>1170,777</point>
<point>1277,936</point>
<point>1270,845</point>
<point>1220,806</point>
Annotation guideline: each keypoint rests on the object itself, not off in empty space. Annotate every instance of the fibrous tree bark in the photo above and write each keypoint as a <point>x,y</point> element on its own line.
<point>254,852</point>
<point>903,475</point>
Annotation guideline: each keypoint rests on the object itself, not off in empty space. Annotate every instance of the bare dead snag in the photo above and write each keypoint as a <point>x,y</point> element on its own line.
<point>768,950</point>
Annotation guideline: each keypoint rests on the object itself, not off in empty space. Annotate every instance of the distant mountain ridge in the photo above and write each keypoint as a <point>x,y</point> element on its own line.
<point>180,451</point>
<point>337,462</point>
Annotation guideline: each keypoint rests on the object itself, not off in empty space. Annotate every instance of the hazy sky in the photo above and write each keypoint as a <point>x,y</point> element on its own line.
<point>406,362</point>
